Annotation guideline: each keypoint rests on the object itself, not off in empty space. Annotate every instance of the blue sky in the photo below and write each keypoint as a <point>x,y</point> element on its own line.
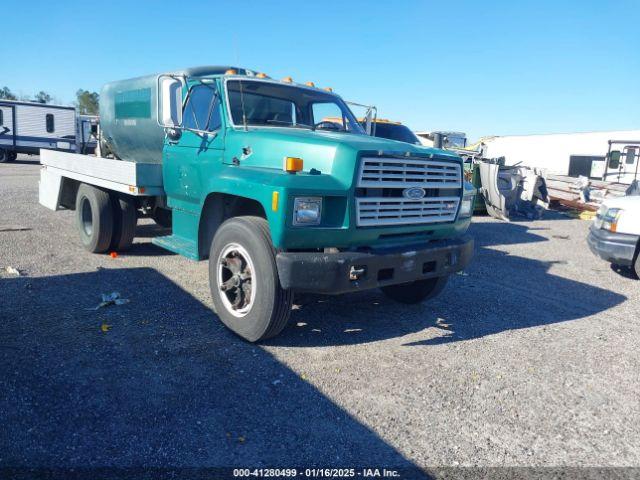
<point>486,68</point>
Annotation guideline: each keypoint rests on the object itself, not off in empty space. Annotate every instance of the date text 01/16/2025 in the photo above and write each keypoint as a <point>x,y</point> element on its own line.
<point>316,473</point>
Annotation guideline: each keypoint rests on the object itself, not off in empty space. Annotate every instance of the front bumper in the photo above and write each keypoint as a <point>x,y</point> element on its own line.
<point>617,248</point>
<point>343,272</point>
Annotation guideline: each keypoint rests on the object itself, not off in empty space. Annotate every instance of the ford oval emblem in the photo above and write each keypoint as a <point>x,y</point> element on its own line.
<point>414,193</point>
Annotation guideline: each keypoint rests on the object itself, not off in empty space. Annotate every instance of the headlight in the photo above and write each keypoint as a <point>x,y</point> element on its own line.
<point>307,210</point>
<point>466,207</point>
<point>610,219</point>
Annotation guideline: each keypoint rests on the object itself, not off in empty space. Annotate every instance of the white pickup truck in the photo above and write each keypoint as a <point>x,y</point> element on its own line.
<point>615,232</point>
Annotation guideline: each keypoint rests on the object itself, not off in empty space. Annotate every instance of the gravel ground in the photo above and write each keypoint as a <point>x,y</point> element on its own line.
<point>529,358</point>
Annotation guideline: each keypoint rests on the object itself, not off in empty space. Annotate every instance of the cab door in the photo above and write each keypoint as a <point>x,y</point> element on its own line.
<point>629,163</point>
<point>623,165</point>
<point>192,159</point>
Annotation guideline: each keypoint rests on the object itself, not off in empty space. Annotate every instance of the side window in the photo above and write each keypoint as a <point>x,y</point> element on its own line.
<point>329,112</point>
<point>50,124</point>
<point>630,157</point>
<point>202,111</point>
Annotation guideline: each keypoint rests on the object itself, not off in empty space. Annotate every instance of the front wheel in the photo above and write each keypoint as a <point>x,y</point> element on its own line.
<point>417,291</point>
<point>244,282</point>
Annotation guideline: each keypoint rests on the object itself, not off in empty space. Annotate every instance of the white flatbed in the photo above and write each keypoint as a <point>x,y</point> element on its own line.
<point>132,178</point>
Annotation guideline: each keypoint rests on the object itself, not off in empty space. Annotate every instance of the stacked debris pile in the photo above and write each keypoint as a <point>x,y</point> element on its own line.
<point>583,193</point>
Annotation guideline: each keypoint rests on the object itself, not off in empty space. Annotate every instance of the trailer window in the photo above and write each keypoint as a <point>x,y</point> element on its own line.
<point>202,111</point>
<point>50,124</point>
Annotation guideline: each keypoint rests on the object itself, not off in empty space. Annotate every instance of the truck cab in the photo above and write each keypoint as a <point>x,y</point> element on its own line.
<point>383,128</point>
<point>281,200</point>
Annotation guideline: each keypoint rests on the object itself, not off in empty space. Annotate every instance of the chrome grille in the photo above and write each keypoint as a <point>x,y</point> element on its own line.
<point>401,211</point>
<point>408,172</point>
<point>381,182</point>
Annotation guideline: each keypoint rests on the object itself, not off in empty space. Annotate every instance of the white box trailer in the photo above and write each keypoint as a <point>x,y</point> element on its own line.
<point>26,127</point>
<point>571,154</point>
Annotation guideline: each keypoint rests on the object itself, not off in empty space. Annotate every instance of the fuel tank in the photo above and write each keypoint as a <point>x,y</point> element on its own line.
<point>129,114</point>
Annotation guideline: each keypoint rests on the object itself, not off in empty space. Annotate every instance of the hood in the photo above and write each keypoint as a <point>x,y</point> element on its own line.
<point>627,203</point>
<point>329,152</point>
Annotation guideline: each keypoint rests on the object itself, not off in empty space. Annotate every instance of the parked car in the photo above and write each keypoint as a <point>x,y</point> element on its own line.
<point>615,232</point>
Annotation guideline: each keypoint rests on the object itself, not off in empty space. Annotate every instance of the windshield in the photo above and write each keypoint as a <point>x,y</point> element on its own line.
<point>455,141</point>
<point>273,104</point>
<point>393,131</point>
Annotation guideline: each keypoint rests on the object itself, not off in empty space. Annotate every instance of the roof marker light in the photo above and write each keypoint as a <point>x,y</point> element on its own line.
<point>262,75</point>
<point>287,79</point>
<point>328,89</point>
<point>231,71</point>
<point>310,84</point>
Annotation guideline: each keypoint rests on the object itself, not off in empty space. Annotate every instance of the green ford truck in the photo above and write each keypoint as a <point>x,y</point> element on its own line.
<point>247,172</point>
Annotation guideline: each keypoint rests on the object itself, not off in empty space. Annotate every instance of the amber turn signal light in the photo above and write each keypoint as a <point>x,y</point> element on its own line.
<point>293,164</point>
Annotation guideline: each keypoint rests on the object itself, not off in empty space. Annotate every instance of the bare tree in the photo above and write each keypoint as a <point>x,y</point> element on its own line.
<point>7,94</point>
<point>87,102</point>
<point>42,97</point>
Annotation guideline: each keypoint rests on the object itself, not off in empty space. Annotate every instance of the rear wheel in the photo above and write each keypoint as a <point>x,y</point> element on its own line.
<point>125,218</point>
<point>636,264</point>
<point>4,155</point>
<point>12,156</point>
<point>416,292</point>
<point>244,282</point>
<point>94,217</point>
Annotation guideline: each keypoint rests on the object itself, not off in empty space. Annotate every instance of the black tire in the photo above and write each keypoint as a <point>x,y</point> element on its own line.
<point>4,156</point>
<point>268,312</point>
<point>125,219</point>
<point>636,264</point>
<point>12,156</point>
<point>162,216</point>
<point>416,292</point>
<point>94,217</point>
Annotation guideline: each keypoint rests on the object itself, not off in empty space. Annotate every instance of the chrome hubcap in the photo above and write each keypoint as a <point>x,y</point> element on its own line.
<point>236,281</point>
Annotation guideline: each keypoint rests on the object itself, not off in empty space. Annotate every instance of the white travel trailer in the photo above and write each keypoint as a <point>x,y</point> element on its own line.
<point>26,127</point>
<point>571,154</point>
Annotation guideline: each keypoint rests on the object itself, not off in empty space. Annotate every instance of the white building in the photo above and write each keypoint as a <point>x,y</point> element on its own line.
<point>570,153</point>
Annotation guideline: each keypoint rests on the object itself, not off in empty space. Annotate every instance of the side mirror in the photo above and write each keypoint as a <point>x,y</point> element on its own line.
<point>169,101</point>
<point>614,159</point>
<point>368,121</point>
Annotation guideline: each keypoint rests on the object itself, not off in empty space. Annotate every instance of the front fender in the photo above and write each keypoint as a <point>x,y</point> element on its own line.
<point>263,184</point>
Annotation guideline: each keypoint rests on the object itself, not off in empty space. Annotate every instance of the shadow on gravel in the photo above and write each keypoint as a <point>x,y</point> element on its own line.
<point>497,293</point>
<point>157,382</point>
<point>626,272</point>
